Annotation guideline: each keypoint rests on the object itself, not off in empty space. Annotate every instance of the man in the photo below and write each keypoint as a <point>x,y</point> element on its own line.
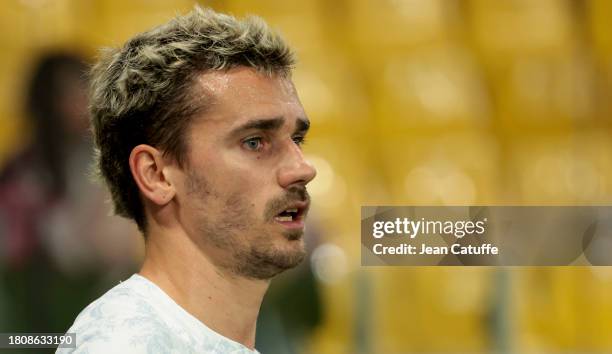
<point>198,130</point>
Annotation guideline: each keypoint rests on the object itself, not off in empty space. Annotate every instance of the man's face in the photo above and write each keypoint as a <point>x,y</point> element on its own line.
<point>244,199</point>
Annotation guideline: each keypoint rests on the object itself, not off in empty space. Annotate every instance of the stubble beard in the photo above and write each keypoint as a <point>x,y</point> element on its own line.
<point>247,248</point>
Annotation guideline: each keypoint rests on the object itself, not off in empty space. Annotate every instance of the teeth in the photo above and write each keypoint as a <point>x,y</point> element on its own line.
<point>294,210</point>
<point>284,218</point>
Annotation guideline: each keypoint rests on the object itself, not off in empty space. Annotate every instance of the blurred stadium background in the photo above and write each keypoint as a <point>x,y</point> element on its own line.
<point>413,102</point>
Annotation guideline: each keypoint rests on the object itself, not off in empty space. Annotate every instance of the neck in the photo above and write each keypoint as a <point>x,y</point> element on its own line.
<point>226,303</point>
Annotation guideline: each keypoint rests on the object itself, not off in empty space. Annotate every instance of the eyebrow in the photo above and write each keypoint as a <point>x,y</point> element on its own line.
<point>302,125</point>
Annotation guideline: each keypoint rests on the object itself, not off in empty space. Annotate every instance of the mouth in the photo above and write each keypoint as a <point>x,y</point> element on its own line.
<point>293,216</point>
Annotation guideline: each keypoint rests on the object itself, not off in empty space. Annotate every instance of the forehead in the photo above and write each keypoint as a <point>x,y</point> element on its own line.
<point>240,94</point>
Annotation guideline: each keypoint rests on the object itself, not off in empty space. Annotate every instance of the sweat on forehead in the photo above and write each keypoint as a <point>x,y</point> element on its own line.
<point>214,82</point>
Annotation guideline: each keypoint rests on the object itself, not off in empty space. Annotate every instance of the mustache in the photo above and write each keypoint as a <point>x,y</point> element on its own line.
<point>293,194</point>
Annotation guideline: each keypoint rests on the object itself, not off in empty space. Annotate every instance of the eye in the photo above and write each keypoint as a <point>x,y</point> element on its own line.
<point>253,144</point>
<point>299,140</point>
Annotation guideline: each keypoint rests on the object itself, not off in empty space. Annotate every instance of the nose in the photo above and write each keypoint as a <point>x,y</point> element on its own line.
<point>295,169</point>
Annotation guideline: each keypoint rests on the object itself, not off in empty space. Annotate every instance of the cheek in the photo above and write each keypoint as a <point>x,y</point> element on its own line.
<point>244,195</point>
<point>238,183</point>
<point>248,173</point>
<point>247,199</point>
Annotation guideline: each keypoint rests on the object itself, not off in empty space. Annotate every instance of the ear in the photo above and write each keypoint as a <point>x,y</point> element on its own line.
<point>148,169</point>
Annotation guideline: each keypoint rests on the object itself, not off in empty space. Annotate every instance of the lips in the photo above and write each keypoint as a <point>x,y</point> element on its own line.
<point>293,215</point>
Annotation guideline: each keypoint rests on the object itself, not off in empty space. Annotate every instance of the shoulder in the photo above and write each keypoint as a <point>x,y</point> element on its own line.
<point>123,320</point>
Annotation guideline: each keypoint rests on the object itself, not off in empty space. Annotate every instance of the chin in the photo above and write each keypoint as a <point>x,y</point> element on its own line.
<point>266,262</point>
<point>292,243</point>
<point>297,247</point>
<point>289,248</point>
<point>294,235</point>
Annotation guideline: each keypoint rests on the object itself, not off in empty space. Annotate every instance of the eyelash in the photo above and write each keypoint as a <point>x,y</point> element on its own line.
<point>299,140</point>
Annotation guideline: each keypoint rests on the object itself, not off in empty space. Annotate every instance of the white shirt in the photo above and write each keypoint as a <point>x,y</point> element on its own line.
<point>136,317</point>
